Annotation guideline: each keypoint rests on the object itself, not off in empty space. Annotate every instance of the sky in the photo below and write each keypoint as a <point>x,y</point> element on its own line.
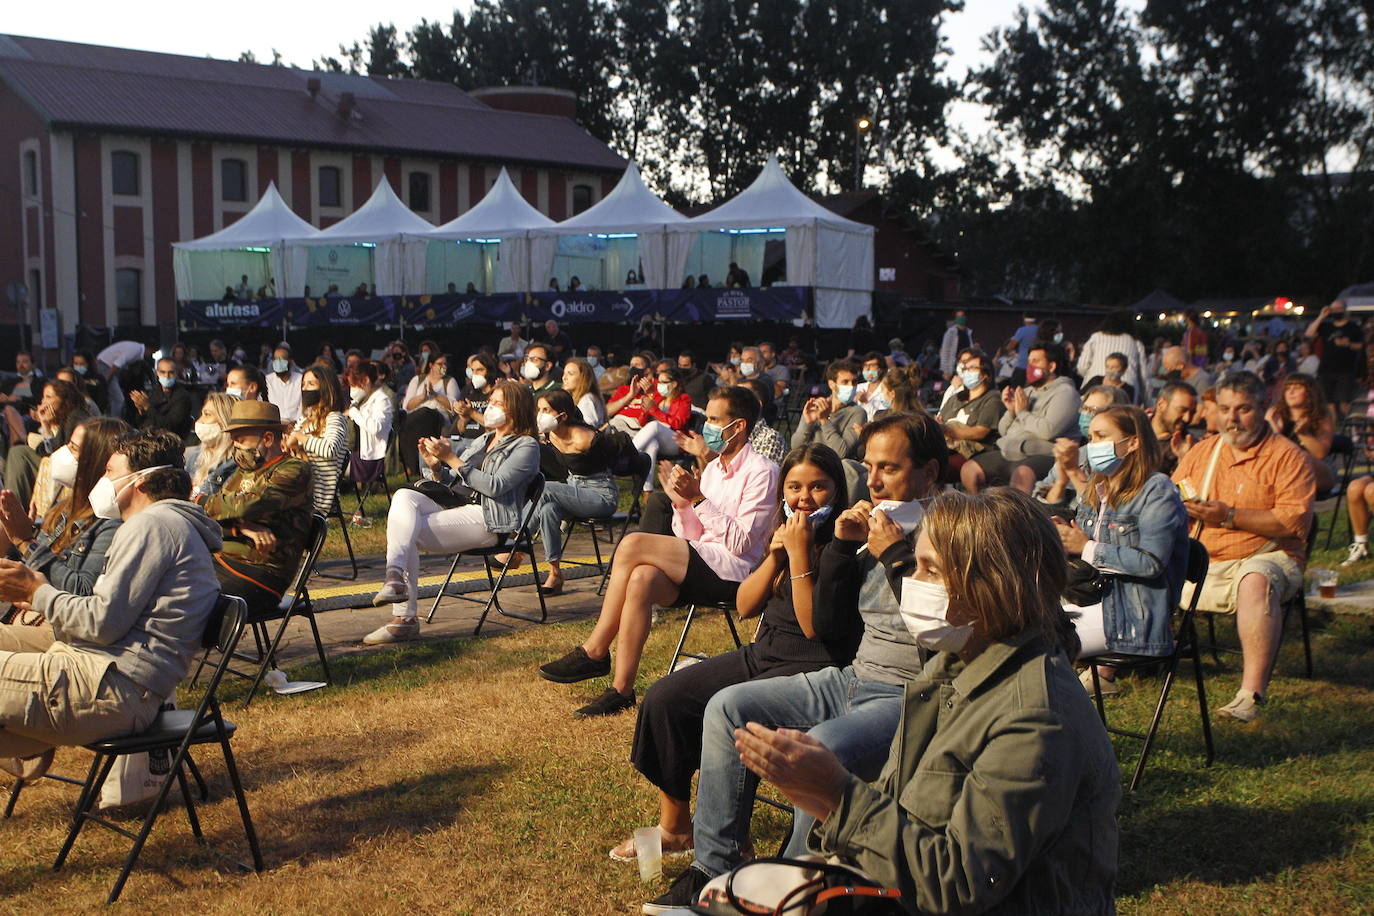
<point>305,31</point>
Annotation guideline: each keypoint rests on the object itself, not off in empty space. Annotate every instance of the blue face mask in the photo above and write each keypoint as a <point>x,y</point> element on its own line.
<point>1102,457</point>
<point>1084,421</point>
<point>280,366</point>
<point>815,518</point>
<point>971,378</point>
<point>715,436</point>
<point>845,394</point>
<point>166,382</point>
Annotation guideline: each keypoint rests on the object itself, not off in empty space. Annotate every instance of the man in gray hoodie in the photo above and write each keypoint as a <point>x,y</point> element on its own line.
<point>1035,417</point>
<point>112,658</point>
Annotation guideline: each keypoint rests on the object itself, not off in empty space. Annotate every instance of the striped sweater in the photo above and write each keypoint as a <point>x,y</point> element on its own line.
<point>325,453</point>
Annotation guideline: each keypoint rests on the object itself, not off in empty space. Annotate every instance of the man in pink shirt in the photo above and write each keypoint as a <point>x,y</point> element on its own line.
<point>722,522</point>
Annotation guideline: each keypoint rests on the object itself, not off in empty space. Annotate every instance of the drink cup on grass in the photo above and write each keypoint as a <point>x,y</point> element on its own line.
<point>649,853</point>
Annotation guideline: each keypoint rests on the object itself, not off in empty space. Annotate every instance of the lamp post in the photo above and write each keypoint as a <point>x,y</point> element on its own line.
<point>861,127</point>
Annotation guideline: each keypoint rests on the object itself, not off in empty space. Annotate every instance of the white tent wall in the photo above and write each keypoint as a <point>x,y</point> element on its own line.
<point>206,274</point>
<point>844,264</point>
<point>344,266</point>
<point>713,252</point>
<point>513,274</point>
<point>460,263</point>
<point>837,308</point>
<point>801,256</point>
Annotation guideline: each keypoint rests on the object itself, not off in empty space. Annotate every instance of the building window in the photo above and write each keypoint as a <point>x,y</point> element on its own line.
<point>329,186</point>
<point>582,197</point>
<point>36,289</point>
<point>124,172</point>
<point>233,179</point>
<point>128,296</point>
<point>30,173</point>
<point>419,191</point>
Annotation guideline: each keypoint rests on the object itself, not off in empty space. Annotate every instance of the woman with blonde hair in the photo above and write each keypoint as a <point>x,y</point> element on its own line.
<point>579,380</point>
<point>1131,526</point>
<point>320,436</point>
<point>213,464</point>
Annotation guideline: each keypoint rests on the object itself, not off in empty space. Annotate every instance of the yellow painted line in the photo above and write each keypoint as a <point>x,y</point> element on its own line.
<point>358,587</point>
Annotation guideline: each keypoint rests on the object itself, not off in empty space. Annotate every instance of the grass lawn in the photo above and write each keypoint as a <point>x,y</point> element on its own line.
<point>447,777</point>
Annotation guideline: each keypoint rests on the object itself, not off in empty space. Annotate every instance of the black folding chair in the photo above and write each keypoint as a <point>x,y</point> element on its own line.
<point>1346,449</point>
<point>175,730</point>
<point>1185,645</point>
<point>363,487</point>
<point>727,607</point>
<point>295,602</point>
<point>336,511</point>
<point>522,541</point>
<point>615,525</point>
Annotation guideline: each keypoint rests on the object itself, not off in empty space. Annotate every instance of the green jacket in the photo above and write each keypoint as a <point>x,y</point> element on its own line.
<point>999,795</point>
<point>276,495</point>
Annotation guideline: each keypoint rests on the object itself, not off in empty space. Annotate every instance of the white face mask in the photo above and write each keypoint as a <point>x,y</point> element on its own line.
<point>746,368</point>
<point>62,464</point>
<point>234,392</point>
<point>280,366</point>
<point>593,361</point>
<point>925,611</point>
<point>207,432</point>
<point>546,421</point>
<point>905,515</point>
<point>357,394</point>
<point>493,417</point>
<point>479,382</point>
<point>104,497</point>
<point>663,389</point>
<point>529,370</point>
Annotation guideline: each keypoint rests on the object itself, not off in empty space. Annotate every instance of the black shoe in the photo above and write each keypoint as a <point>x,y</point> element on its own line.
<point>682,894</point>
<point>575,666</point>
<point>608,704</point>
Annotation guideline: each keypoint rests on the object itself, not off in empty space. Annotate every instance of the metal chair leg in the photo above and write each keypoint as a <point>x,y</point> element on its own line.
<point>429,618</point>
<point>682,640</point>
<point>1154,724</point>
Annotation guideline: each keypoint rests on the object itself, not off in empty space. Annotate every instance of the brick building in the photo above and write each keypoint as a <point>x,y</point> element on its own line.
<point>107,156</point>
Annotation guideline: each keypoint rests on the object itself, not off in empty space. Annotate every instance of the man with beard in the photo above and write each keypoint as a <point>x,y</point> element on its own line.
<point>1173,413</point>
<point>264,509</point>
<point>1035,417</point>
<point>1251,491</point>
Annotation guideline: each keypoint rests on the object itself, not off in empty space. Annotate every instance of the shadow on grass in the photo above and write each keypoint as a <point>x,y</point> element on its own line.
<point>333,826</point>
<point>1234,844</point>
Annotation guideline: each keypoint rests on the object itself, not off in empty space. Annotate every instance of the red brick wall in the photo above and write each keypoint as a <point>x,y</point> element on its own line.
<point>300,183</point>
<point>267,168</point>
<point>166,225</point>
<point>529,186</point>
<point>391,166</point>
<point>128,231</point>
<point>362,180</point>
<point>18,123</point>
<point>477,185</point>
<point>558,196</point>
<point>89,229</point>
<point>202,188</point>
<point>448,190</point>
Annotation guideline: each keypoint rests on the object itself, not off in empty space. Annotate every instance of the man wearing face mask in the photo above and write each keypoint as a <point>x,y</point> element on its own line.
<point>834,421</point>
<point>1251,491</point>
<point>169,406</point>
<point>284,384</point>
<point>537,369</point>
<point>263,509</point>
<point>110,659</point>
<point>853,710</point>
<point>957,339</point>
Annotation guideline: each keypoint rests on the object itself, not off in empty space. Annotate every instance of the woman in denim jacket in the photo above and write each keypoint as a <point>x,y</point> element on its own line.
<point>498,467</point>
<point>1132,527</point>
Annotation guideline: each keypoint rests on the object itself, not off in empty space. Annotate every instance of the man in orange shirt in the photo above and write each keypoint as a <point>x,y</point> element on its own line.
<point>1252,492</point>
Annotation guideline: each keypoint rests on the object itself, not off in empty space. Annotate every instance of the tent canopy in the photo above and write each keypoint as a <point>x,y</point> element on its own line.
<point>382,218</point>
<point>770,201</point>
<point>364,249</point>
<point>630,207</point>
<point>249,247</point>
<point>1159,300</point>
<point>269,223</point>
<point>504,212</point>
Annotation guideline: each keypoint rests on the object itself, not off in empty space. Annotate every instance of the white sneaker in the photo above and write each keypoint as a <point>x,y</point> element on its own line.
<point>393,591</point>
<point>1110,687</point>
<point>1358,551</point>
<point>393,632</point>
<point>1245,707</point>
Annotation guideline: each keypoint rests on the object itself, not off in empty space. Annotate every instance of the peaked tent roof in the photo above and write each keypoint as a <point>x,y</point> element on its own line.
<point>630,207</point>
<point>504,211</point>
<point>1159,300</point>
<point>269,223</point>
<point>770,201</point>
<point>382,218</point>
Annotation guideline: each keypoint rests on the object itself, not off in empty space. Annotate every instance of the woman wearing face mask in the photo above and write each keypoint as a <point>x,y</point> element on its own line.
<point>68,544</point>
<point>214,463</point>
<point>969,418</point>
<point>499,467</point>
<point>482,373</point>
<point>665,411</point>
<point>589,491</point>
<point>371,409</point>
<point>868,393</point>
<point>667,745</point>
<point>60,411</point>
<point>963,816</point>
<point>579,380</point>
<point>1132,526</point>
<point>430,402</point>
<point>320,436</point>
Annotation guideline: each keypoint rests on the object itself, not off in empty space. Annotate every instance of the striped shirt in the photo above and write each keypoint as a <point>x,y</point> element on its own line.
<point>325,452</point>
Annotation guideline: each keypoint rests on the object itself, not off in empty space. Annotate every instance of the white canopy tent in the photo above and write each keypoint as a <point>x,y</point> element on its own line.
<point>251,246</point>
<point>488,246</point>
<point>824,251</point>
<point>602,244</point>
<point>364,247</point>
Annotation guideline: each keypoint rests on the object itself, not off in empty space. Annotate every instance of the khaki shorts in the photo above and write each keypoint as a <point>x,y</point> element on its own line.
<point>1223,577</point>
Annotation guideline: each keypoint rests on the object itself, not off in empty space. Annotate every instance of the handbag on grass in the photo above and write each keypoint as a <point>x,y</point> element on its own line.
<point>807,886</point>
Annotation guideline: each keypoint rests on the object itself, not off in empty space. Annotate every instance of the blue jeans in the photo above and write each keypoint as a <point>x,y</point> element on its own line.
<point>855,719</point>
<point>579,497</point>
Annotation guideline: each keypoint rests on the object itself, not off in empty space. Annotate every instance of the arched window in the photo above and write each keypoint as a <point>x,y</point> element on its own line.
<point>124,172</point>
<point>582,198</point>
<point>128,296</point>
<point>330,186</point>
<point>419,191</point>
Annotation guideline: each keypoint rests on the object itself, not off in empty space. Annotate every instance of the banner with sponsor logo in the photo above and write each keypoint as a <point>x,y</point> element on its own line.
<point>777,303</point>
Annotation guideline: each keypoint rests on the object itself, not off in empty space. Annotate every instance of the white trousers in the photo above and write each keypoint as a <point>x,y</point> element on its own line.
<point>417,523</point>
<point>654,439</point>
<point>1091,627</point>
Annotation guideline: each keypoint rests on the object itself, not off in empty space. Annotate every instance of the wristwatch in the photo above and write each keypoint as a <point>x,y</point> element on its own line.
<point>1230,520</point>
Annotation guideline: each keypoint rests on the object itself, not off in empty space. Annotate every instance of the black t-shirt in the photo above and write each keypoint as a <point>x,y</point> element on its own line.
<point>781,638</point>
<point>1337,359</point>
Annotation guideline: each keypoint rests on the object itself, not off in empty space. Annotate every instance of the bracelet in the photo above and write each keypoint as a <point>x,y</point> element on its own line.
<point>803,575</point>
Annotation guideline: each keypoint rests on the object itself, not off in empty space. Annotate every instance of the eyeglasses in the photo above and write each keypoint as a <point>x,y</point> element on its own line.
<point>1091,411</point>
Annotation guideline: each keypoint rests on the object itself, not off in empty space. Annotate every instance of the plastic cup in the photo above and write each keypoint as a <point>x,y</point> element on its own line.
<point>1326,582</point>
<point>649,854</point>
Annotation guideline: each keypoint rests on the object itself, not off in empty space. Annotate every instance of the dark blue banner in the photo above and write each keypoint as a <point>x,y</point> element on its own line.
<point>776,303</point>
